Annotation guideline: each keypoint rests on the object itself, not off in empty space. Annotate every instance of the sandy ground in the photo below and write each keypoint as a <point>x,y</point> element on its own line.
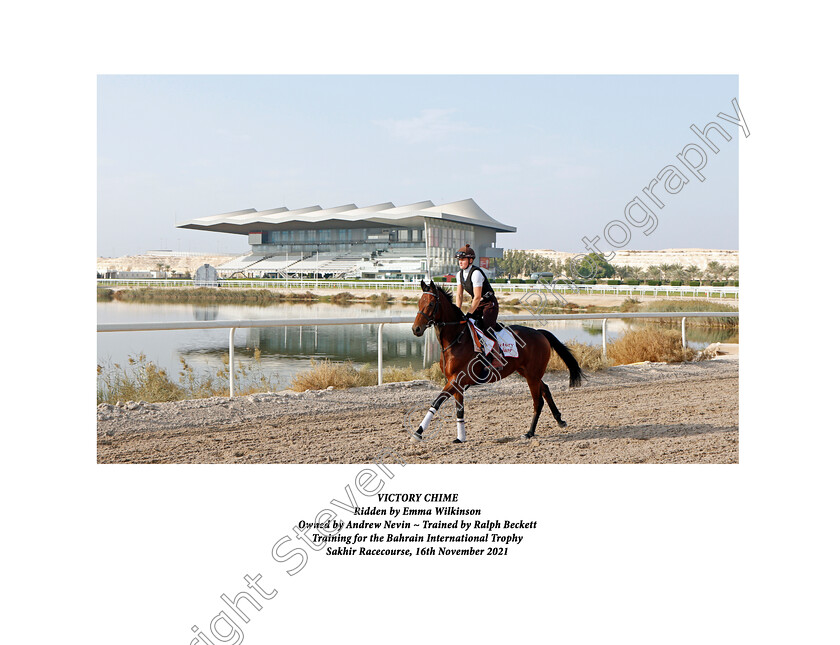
<point>646,413</point>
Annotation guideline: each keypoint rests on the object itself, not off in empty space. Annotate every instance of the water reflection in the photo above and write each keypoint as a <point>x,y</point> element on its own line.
<point>205,312</point>
<point>286,350</point>
<point>356,343</point>
<point>697,337</point>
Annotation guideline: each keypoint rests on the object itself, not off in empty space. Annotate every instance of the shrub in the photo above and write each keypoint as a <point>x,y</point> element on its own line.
<point>630,305</point>
<point>653,283</point>
<point>434,374</point>
<point>632,282</point>
<point>649,345</point>
<point>344,375</point>
<point>676,283</point>
<point>613,282</point>
<point>694,305</point>
<point>694,283</point>
<point>338,375</point>
<point>589,357</point>
<point>142,380</point>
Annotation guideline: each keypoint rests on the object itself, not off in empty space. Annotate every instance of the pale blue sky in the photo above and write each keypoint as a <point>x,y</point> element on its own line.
<point>556,156</point>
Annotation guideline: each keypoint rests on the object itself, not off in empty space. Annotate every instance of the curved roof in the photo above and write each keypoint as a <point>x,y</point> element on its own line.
<point>465,211</point>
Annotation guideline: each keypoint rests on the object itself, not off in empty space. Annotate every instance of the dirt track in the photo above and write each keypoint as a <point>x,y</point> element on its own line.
<point>650,413</point>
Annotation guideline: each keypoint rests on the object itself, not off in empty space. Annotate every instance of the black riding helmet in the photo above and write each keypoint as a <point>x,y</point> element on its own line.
<point>465,252</point>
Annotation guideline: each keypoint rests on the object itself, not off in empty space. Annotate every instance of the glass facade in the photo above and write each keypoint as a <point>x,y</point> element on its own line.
<point>445,238</point>
<point>340,240</point>
<point>339,235</point>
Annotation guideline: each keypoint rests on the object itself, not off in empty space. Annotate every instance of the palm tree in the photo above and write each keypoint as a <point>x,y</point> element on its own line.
<point>669,271</point>
<point>653,272</point>
<point>693,272</point>
<point>622,272</point>
<point>714,270</point>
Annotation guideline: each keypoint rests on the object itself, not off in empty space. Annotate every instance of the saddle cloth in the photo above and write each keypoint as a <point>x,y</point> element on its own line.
<point>483,343</point>
<point>507,343</point>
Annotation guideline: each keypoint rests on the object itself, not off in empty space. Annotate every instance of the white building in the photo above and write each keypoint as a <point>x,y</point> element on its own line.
<point>382,240</point>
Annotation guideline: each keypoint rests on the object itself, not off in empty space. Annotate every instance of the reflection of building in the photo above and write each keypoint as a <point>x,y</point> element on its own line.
<point>356,343</point>
<point>205,312</point>
<point>342,342</point>
<point>374,241</point>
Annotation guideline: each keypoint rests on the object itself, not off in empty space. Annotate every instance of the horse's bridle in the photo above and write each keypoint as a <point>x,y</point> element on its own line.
<point>431,322</point>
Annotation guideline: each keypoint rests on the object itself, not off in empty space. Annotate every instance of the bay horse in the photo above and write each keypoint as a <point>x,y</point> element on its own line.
<point>462,366</point>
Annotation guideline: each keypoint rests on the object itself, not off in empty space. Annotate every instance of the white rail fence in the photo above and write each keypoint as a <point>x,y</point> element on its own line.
<point>233,325</point>
<point>502,287</point>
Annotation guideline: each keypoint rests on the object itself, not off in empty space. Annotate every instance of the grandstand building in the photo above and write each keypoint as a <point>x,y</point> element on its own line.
<point>380,241</point>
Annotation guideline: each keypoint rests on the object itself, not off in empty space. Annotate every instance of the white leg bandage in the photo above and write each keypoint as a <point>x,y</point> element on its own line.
<point>427,419</point>
<point>462,431</point>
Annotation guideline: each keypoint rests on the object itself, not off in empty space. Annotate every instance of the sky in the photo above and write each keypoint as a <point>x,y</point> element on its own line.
<point>559,157</point>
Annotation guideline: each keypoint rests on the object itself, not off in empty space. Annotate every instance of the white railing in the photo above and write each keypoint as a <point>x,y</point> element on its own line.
<point>501,287</point>
<point>233,325</point>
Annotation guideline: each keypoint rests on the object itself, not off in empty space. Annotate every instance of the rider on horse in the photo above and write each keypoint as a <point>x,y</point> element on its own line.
<point>484,308</point>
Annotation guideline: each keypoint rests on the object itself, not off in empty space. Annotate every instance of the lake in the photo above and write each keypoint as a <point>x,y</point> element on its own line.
<point>284,351</point>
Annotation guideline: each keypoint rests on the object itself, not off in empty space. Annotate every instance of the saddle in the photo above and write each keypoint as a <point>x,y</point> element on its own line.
<point>482,343</point>
<point>485,345</point>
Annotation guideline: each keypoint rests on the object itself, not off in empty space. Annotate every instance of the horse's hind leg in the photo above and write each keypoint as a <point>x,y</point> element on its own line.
<point>547,396</point>
<point>536,394</point>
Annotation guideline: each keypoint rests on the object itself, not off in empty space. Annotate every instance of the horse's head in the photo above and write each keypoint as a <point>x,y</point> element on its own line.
<point>428,309</point>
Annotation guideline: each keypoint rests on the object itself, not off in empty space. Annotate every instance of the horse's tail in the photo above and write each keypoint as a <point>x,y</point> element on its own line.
<point>567,356</point>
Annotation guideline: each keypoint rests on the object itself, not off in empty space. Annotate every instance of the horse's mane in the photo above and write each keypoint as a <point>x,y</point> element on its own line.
<point>447,293</point>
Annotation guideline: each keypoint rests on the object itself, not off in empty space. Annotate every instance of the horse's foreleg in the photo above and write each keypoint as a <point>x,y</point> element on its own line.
<point>439,401</point>
<point>459,416</point>
<point>536,393</point>
<point>554,410</point>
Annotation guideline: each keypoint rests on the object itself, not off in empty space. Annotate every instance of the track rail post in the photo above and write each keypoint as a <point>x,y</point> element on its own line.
<point>604,338</point>
<point>230,360</point>
<point>379,352</point>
